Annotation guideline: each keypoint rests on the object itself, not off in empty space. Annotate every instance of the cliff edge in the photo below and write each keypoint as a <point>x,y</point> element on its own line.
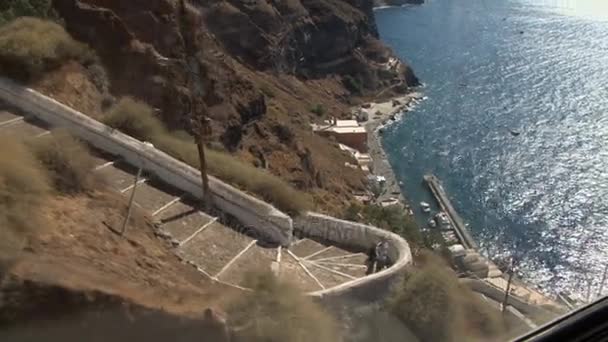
<point>267,70</point>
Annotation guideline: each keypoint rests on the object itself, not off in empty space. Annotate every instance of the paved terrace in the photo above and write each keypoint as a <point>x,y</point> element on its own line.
<point>223,253</point>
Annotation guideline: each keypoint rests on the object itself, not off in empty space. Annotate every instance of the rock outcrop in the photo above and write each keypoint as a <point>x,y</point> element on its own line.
<point>262,65</point>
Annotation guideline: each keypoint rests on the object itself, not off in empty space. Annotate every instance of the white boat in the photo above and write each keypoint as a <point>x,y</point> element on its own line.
<point>426,208</point>
<point>432,223</point>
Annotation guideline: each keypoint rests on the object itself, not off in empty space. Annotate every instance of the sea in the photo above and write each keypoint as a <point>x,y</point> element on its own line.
<point>515,125</point>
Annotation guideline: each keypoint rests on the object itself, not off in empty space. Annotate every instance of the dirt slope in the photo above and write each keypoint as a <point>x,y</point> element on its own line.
<point>79,250</point>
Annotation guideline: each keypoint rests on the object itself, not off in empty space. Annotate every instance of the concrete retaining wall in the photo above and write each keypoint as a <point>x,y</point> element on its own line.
<point>498,295</point>
<point>256,214</point>
<point>358,237</point>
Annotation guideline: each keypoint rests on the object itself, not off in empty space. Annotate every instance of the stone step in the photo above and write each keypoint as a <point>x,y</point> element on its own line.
<point>24,129</point>
<point>214,247</point>
<point>330,253</point>
<point>153,195</point>
<point>182,220</point>
<point>292,271</point>
<point>354,270</point>
<point>258,258</point>
<point>7,118</point>
<point>119,175</point>
<point>101,159</point>
<point>327,276</point>
<point>353,258</point>
<point>306,247</point>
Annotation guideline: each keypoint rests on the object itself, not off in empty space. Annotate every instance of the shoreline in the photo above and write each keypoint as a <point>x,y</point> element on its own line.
<point>389,112</point>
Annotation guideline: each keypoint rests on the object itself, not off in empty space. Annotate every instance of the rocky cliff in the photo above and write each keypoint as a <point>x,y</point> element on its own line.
<point>262,66</point>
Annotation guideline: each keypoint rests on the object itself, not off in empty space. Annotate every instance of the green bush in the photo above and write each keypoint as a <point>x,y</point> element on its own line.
<point>137,119</point>
<point>24,187</point>
<point>432,303</point>
<point>68,162</point>
<point>318,109</point>
<point>30,47</point>
<point>392,218</point>
<point>12,9</point>
<point>279,312</point>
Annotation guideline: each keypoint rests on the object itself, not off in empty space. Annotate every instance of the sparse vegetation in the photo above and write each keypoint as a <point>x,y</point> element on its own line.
<point>268,91</point>
<point>12,9</point>
<point>318,109</point>
<point>24,186</point>
<point>31,46</point>
<point>138,120</point>
<point>436,307</point>
<point>68,162</point>
<point>352,84</point>
<point>278,312</point>
<point>391,218</point>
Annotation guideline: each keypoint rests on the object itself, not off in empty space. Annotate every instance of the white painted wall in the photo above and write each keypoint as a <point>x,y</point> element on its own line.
<point>498,295</point>
<point>256,214</point>
<point>359,237</point>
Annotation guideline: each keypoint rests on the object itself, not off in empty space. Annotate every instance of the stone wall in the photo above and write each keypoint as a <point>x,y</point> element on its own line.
<point>498,295</point>
<point>256,214</point>
<point>359,237</point>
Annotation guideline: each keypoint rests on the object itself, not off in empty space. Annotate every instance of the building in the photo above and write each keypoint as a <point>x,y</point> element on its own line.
<point>347,132</point>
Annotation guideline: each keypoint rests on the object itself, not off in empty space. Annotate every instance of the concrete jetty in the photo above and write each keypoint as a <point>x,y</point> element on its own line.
<point>446,206</point>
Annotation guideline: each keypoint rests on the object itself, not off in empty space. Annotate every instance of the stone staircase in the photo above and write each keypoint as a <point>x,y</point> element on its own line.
<point>223,253</point>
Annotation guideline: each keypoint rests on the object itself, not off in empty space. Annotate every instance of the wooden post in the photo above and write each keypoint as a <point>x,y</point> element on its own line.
<point>126,221</point>
<point>198,109</point>
<point>200,144</point>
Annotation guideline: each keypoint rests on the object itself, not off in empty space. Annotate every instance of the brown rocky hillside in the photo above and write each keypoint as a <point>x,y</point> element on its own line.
<point>264,65</point>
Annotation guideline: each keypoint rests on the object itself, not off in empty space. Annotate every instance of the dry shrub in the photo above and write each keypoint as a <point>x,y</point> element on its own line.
<point>277,311</point>
<point>68,162</point>
<point>137,120</point>
<point>24,187</point>
<point>11,9</point>
<point>437,307</point>
<point>30,46</point>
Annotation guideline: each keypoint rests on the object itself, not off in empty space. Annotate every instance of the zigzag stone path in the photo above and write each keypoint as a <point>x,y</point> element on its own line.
<point>218,251</point>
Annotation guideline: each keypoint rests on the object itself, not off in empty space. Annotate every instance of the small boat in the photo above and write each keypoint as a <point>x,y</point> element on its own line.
<point>514,133</point>
<point>432,223</point>
<point>426,208</point>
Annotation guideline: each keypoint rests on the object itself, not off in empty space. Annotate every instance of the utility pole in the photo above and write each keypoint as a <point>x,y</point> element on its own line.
<point>130,208</point>
<point>508,290</point>
<point>198,109</point>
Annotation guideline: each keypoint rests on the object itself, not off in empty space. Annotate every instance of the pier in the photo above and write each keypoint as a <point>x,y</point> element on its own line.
<point>446,206</point>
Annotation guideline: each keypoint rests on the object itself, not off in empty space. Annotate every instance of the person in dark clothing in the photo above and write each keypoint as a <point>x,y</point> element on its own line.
<point>378,257</point>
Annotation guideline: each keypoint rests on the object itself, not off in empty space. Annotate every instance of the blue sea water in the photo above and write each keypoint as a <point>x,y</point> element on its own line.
<point>492,67</point>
